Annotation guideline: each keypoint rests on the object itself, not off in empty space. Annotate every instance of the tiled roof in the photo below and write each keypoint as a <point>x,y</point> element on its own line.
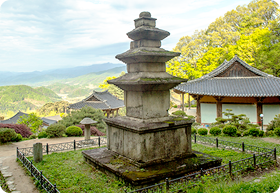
<point>261,85</point>
<point>48,121</point>
<point>105,100</point>
<point>13,120</point>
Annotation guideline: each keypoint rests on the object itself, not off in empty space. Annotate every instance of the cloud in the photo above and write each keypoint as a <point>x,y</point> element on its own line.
<point>37,35</point>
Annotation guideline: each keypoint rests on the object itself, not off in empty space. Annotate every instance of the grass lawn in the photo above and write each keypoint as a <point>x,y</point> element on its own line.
<point>227,155</point>
<point>71,174</point>
<point>256,141</point>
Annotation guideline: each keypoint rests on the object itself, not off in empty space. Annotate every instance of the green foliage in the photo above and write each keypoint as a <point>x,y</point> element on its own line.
<point>277,131</point>
<point>179,113</point>
<point>230,130</point>
<point>215,131</point>
<point>261,133</point>
<point>74,131</point>
<point>270,133</point>
<point>33,136</point>
<point>238,133</point>
<point>42,134</point>
<point>7,135</point>
<point>53,108</point>
<point>202,131</point>
<point>55,130</point>
<point>18,138</point>
<point>246,133</point>
<point>23,98</point>
<point>274,123</point>
<point>76,116</point>
<point>32,121</point>
<point>250,31</point>
<point>193,131</point>
<point>254,132</point>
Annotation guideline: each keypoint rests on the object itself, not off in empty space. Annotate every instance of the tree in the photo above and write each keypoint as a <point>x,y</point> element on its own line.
<point>75,117</point>
<point>250,31</point>
<point>32,121</point>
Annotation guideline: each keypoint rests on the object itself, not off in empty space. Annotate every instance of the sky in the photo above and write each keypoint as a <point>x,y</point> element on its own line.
<point>38,35</point>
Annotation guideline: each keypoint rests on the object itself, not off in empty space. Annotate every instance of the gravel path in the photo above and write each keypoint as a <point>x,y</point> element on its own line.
<point>16,178</point>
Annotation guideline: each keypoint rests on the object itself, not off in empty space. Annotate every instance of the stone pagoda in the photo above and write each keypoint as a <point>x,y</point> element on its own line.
<point>147,137</point>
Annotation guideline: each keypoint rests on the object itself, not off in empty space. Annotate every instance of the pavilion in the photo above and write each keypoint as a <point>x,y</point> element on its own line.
<point>234,85</point>
<point>105,101</point>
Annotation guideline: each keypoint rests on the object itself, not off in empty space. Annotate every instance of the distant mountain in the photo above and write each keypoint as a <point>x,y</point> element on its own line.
<point>82,85</point>
<point>33,78</point>
<point>22,97</point>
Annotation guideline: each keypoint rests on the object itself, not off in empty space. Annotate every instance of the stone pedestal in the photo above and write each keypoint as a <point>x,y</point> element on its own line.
<point>149,143</point>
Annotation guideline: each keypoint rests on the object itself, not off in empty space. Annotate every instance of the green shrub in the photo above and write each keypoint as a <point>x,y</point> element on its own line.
<point>42,134</point>
<point>246,133</point>
<point>277,131</point>
<point>55,130</point>
<point>230,130</point>
<point>238,133</point>
<point>274,123</point>
<point>194,131</point>
<point>270,133</point>
<point>33,136</point>
<point>74,131</point>
<point>254,132</point>
<point>261,133</point>
<point>18,138</point>
<point>202,131</point>
<point>7,135</point>
<point>215,131</point>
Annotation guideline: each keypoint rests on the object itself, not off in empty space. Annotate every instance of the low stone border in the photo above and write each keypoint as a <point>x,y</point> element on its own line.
<point>8,177</point>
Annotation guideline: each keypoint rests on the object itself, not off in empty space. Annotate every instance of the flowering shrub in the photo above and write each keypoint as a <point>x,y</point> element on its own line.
<point>21,129</point>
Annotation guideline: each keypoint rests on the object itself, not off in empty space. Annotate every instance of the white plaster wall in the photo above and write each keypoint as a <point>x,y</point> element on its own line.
<point>250,110</point>
<point>208,112</point>
<point>269,112</point>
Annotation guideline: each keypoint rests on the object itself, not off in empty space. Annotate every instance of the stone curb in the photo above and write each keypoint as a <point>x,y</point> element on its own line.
<point>8,177</point>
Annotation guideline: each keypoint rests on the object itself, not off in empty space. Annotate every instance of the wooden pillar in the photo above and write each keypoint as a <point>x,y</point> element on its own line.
<point>183,101</point>
<point>259,109</point>
<point>219,106</point>
<point>189,100</point>
<point>198,109</point>
<point>117,113</point>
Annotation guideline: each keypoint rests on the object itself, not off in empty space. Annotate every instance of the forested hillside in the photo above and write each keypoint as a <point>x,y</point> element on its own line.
<point>22,97</point>
<point>251,31</point>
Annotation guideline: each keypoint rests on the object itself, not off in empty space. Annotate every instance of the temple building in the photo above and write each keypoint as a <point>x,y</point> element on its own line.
<point>105,101</point>
<point>234,85</point>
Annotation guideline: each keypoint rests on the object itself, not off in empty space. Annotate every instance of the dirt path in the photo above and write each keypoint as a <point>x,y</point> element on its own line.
<point>23,182</point>
<point>271,140</point>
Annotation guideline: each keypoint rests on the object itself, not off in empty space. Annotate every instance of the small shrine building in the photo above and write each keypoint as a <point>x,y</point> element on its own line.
<point>105,101</point>
<point>234,85</point>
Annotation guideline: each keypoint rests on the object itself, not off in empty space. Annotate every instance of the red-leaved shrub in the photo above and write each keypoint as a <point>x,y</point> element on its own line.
<point>93,130</point>
<point>21,129</point>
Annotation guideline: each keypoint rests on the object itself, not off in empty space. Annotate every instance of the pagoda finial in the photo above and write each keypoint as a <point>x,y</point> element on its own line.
<point>145,14</point>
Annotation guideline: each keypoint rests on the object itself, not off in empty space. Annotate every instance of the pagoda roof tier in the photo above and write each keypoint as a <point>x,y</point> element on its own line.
<point>148,33</point>
<point>146,81</point>
<point>146,54</point>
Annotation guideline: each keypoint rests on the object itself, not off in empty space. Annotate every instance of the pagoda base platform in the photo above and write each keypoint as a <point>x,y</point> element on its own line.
<point>133,173</point>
